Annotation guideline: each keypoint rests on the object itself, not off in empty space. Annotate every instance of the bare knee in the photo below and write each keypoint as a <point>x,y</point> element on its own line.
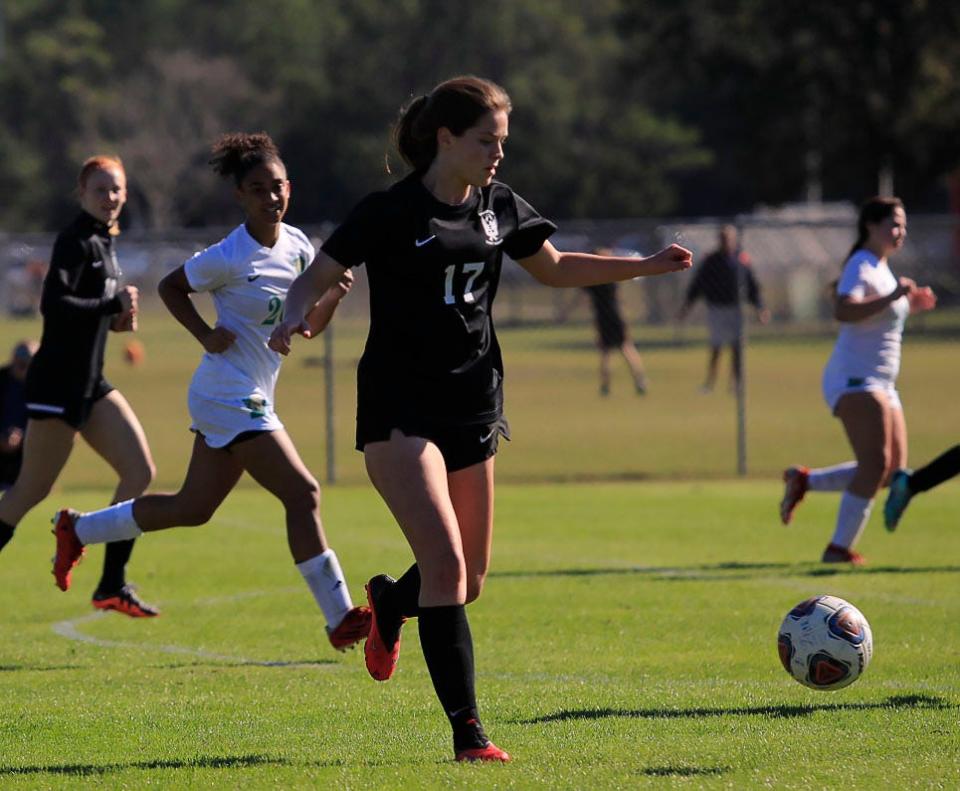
<point>475,586</point>
<point>303,498</point>
<point>139,476</point>
<point>873,469</point>
<point>195,514</point>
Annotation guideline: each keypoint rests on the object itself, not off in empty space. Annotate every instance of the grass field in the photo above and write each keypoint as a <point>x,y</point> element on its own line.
<point>627,636</point>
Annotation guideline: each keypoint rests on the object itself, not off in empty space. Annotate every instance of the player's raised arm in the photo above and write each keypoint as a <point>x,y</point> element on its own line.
<point>554,268</point>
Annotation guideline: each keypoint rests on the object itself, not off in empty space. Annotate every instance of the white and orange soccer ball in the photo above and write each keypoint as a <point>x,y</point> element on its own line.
<point>825,643</point>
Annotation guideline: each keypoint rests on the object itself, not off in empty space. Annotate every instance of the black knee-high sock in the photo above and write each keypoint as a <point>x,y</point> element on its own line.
<point>6,533</point>
<point>115,558</point>
<point>448,650</point>
<point>406,593</point>
<point>942,468</point>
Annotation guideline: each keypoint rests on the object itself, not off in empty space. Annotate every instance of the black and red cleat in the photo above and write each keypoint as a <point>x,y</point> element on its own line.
<point>380,655</point>
<point>354,627</point>
<point>796,481</point>
<point>834,553</point>
<point>488,753</point>
<point>69,549</point>
<point>124,601</point>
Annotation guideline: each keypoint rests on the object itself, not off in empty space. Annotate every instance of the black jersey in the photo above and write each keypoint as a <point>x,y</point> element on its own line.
<point>432,356</point>
<point>78,303</point>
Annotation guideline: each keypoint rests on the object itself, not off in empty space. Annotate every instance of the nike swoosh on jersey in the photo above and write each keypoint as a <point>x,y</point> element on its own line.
<point>251,278</point>
<point>422,242</point>
<point>97,264</point>
<point>492,432</point>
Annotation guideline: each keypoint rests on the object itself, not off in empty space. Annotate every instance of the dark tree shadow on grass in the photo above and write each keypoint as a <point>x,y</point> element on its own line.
<point>724,571</point>
<point>201,762</point>
<point>895,703</point>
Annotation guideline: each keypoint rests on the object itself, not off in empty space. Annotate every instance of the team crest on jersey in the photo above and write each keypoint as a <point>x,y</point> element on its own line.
<point>490,228</point>
<point>256,405</point>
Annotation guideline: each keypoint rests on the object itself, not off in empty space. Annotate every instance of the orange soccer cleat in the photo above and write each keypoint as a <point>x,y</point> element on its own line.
<point>69,549</point>
<point>381,657</point>
<point>489,753</point>
<point>834,553</point>
<point>796,481</point>
<point>125,601</point>
<point>354,627</point>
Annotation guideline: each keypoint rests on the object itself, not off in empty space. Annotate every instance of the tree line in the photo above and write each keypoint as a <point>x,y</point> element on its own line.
<point>623,108</point>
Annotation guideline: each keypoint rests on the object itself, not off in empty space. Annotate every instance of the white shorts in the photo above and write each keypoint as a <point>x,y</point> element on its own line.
<point>725,323</point>
<point>837,383</point>
<point>221,420</point>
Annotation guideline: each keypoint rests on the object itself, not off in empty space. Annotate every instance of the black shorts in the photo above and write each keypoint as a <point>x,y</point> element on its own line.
<point>460,446</point>
<point>45,403</point>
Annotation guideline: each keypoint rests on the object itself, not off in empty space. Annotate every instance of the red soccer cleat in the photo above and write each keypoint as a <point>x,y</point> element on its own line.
<point>125,601</point>
<point>796,480</point>
<point>834,553</point>
<point>381,659</point>
<point>354,627</point>
<point>69,548</point>
<point>489,753</point>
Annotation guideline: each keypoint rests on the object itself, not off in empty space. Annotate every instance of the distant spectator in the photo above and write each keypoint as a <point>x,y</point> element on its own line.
<point>723,280</point>
<point>13,411</point>
<point>612,333</point>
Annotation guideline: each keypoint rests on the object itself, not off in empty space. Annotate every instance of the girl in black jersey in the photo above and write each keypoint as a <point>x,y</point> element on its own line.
<point>429,411</point>
<point>66,392</point>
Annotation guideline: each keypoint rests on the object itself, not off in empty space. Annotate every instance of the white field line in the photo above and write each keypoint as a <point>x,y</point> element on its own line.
<point>69,630</point>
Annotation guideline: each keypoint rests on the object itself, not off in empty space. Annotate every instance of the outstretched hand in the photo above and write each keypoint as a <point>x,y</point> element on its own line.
<point>672,259</point>
<point>282,335</point>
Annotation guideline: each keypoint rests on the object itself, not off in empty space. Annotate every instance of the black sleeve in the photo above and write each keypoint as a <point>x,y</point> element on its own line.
<point>531,232</point>
<point>70,256</point>
<point>753,288</point>
<point>695,289</point>
<point>352,241</point>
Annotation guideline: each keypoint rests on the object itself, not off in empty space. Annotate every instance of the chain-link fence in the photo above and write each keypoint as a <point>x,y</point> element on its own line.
<point>577,415</point>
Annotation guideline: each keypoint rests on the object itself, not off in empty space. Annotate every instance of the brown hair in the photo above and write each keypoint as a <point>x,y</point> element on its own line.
<point>874,210</point>
<point>456,104</point>
<point>237,153</point>
<point>98,162</point>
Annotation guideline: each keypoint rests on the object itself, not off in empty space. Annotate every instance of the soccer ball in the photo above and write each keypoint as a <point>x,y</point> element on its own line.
<point>825,643</point>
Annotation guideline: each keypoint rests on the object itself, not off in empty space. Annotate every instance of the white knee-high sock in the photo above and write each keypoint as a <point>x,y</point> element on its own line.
<point>115,523</point>
<point>851,519</point>
<point>832,479</point>
<point>325,580</point>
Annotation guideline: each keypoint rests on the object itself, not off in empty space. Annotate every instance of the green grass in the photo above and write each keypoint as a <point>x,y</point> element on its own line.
<point>627,636</point>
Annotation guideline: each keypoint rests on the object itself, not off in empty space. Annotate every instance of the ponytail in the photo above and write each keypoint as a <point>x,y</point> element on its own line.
<point>455,104</point>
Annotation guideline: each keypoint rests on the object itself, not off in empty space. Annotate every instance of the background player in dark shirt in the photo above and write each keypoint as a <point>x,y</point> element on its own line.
<point>13,411</point>
<point>613,333</point>
<point>723,280</point>
<point>429,400</point>
<point>905,484</point>
<point>66,392</point>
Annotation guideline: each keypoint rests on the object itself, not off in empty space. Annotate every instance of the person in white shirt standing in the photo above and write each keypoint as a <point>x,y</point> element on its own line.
<point>859,381</point>
<point>231,396</point>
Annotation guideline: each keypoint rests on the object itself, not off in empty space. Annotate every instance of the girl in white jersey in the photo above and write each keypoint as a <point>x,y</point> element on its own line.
<point>859,381</point>
<point>231,394</point>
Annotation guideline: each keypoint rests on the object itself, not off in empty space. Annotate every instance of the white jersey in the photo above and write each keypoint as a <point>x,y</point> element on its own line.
<point>232,392</point>
<point>869,349</point>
